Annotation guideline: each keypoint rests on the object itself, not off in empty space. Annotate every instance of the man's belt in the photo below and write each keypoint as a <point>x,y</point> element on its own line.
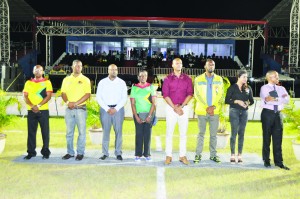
<point>83,107</point>
<point>269,110</point>
<point>112,106</point>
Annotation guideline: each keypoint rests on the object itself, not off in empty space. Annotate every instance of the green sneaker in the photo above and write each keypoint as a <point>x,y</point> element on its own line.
<point>215,159</point>
<point>197,158</point>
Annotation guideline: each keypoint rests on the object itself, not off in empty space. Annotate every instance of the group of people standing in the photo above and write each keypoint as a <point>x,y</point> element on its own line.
<point>208,91</point>
<point>75,91</point>
<point>178,89</point>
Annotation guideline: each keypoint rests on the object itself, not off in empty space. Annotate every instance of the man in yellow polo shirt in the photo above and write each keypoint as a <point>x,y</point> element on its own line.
<point>76,89</point>
<point>37,92</point>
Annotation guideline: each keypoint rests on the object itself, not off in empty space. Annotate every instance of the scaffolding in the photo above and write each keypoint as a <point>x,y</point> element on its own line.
<point>149,27</point>
<point>294,39</point>
<point>4,33</point>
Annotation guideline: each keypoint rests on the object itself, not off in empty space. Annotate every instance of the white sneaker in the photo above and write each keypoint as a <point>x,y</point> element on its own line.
<point>148,159</point>
<point>137,159</point>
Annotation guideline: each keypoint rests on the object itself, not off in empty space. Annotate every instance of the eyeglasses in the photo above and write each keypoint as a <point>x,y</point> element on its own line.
<point>38,70</point>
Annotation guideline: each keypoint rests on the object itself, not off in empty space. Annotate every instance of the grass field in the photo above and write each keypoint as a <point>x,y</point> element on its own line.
<point>92,181</point>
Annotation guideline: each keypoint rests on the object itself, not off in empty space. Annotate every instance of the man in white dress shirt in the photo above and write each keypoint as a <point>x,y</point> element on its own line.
<point>112,96</point>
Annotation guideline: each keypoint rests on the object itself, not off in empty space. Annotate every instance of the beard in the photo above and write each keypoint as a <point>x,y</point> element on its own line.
<point>113,75</point>
<point>210,70</point>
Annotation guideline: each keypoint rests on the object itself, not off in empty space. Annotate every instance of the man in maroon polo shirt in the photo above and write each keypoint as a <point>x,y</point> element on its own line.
<point>177,91</point>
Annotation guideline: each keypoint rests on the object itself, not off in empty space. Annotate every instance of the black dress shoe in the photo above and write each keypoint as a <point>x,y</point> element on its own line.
<point>79,157</point>
<point>103,157</point>
<point>282,166</point>
<point>119,157</point>
<point>267,164</point>
<point>45,156</point>
<point>28,157</point>
<point>67,156</point>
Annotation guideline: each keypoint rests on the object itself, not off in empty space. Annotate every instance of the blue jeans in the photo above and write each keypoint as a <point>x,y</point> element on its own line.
<point>238,120</point>
<point>76,117</point>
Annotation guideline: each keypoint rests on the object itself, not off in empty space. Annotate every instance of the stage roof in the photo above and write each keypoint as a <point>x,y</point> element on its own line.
<point>154,27</point>
<point>279,16</point>
<point>21,11</point>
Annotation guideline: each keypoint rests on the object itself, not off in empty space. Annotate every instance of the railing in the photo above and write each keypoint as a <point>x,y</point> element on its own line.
<point>195,71</point>
<point>157,71</point>
<point>294,70</point>
<point>20,49</point>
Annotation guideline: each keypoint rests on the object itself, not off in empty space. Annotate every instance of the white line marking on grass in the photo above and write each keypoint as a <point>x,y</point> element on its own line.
<point>12,131</point>
<point>161,184</point>
<point>158,143</point>
<point>121,163</point>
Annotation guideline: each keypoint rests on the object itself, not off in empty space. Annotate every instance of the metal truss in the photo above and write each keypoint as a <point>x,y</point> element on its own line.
<point>223,29</point>
<point>279,32</point>
<point>48,50</point>
<point>21,27</point>
<point>153,32</point>
<point>4,32</point>
<point>250,56</point>
<point>277,17</point>
<point>294,35</point>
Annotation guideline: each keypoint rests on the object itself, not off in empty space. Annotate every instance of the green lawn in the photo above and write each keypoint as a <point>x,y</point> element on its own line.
<point>94,181</point>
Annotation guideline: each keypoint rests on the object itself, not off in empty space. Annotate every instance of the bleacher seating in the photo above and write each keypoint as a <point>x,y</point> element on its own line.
<point>189,61</point>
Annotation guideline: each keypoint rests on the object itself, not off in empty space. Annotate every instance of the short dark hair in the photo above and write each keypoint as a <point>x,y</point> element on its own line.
<point>241,72</point>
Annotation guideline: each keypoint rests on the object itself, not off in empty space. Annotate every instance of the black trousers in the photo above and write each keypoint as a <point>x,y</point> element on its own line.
<point>33,119</point>
<point>142,138</point>
<point>272,127</point>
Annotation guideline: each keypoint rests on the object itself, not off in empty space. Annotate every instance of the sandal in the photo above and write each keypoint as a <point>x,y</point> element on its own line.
<point>232,159</point>
<point>240,159</point>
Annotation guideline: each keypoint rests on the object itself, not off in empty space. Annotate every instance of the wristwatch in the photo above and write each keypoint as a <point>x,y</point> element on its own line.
<point>38,105</point>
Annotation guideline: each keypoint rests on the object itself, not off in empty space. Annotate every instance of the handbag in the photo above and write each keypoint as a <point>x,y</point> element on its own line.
<point>155,120</point>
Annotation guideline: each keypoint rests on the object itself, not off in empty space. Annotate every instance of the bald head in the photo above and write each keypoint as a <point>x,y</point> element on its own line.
<point>76,67</point>
<point>112,71</point>
<point>37,67</point>
<point>38,71</point>
<point>272,77</point>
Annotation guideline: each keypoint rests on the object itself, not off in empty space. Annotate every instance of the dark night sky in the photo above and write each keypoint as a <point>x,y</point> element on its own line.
<point>218,9</point>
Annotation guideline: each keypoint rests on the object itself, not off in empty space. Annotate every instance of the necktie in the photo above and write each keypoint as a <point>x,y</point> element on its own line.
<point>275,106</point>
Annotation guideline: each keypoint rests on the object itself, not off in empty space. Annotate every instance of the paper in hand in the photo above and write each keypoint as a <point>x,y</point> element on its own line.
<point>273,93</point>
